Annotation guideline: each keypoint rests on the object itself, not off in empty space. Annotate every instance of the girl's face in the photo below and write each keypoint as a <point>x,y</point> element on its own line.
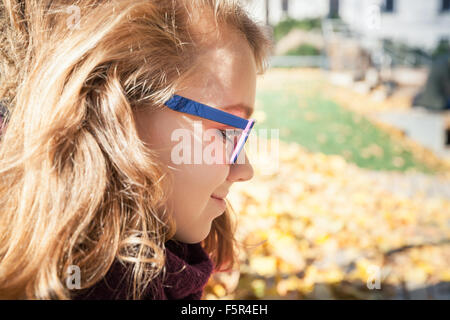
<point>226,77</point>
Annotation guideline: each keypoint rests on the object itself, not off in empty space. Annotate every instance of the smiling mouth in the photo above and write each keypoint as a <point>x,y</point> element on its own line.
<point>219,201</point>
<point>218,197</point>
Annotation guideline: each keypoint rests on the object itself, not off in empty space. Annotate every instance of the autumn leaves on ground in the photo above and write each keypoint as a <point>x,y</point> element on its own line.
<point>324,220</point>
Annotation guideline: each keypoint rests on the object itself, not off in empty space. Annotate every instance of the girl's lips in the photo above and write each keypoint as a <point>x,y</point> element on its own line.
<point>220,197</point>
<point>220,202</point>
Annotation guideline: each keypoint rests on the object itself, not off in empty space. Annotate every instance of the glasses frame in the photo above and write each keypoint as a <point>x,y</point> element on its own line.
<point>185,105</point>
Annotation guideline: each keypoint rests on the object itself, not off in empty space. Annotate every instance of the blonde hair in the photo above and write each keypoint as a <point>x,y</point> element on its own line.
<point>78,186</point>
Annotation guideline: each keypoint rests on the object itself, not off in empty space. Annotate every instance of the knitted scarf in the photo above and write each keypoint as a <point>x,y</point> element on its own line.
<point>188,268</point>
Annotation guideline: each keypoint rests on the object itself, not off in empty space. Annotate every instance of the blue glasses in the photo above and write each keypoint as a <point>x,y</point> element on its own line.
<point>243,126</point>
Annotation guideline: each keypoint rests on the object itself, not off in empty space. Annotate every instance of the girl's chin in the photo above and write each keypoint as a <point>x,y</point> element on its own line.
<point>196,237</point>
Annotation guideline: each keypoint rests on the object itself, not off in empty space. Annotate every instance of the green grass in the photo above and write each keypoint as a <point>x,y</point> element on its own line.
<point>286,25</point>
<point>304,49</point>
<point>321,125</point>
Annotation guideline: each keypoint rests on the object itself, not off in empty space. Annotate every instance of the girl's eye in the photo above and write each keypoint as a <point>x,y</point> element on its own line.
<point>225,136</point>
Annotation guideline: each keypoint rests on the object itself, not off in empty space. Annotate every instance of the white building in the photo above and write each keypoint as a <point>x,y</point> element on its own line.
<point>278,9</point>
<point>420,23</point>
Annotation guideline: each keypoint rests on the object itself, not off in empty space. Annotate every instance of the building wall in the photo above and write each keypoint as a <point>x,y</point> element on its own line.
<point>416,22</point>
<point>298,9</point>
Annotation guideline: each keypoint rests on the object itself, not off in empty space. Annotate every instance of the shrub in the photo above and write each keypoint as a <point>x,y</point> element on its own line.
<point>305,49</point>
<point>286,25</point>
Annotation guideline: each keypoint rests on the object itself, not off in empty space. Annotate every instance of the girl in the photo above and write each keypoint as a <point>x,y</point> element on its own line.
<point>94,201</point>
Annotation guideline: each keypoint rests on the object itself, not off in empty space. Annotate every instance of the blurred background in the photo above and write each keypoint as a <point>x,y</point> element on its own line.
<point>358,204</point>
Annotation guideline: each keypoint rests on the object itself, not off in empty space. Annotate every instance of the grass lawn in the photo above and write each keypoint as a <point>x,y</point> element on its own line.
<point>320,125</point>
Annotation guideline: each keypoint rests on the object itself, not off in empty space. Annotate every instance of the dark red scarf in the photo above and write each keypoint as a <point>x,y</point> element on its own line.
<point>188,269</point>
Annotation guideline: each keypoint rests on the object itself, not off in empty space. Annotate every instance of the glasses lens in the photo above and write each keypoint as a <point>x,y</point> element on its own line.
<point>240,140</point>
<point>231,139</point>
<point>236,139</point>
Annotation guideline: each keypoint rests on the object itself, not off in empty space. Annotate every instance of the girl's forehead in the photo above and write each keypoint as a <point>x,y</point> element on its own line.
<point>225,79</point>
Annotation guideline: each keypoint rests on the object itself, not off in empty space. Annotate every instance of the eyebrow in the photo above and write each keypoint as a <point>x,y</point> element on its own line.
<point>248,111</point>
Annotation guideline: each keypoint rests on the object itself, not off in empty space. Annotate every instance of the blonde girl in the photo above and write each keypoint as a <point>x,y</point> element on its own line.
<point>92,203</point>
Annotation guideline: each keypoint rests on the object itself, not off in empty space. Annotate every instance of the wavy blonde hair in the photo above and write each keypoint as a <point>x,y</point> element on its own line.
<point>78,186</point>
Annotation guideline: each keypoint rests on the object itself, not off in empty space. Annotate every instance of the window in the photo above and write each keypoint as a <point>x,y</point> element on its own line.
<point>334,9</point>
<point>285,5</point>
<point>445,6</point>
<point>447,137</point>
<point>387,6</point>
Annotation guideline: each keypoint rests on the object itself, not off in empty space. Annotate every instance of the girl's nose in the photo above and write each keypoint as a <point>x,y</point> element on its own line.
<point>241,171</point>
